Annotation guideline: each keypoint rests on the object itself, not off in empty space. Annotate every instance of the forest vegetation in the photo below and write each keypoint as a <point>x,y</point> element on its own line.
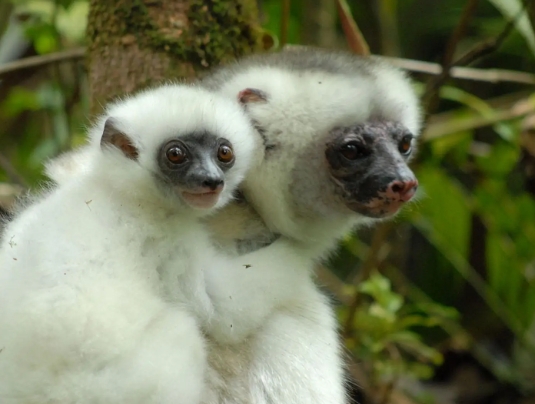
<point>435,306</point>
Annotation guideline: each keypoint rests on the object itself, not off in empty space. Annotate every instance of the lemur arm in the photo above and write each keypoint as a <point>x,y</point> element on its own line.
<point>245,290</point>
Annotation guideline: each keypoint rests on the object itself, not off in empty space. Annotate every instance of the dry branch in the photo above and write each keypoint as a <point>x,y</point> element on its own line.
<point>417,66</point>
<point>450,122</point>
<point>11,171</point>
<point>478,51</point>
<point>41,60</point>
<point>431,96</point>
<point>374,257</point>
<point>354,36</point>
<point>285,22</point>
<point>466,73</point>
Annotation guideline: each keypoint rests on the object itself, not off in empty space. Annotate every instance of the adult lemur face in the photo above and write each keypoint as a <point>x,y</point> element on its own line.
<point>368,165</point>
<point>333,154</point>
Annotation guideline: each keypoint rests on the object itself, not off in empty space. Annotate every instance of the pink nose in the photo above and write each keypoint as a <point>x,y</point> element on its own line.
<point>405,189</point>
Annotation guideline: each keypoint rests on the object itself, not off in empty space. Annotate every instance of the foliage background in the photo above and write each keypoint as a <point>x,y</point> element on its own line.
<point>445,292</point>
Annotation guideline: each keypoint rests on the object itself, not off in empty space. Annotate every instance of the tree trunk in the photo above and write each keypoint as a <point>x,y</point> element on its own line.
<point>319,23</point>
<point>133,44</point>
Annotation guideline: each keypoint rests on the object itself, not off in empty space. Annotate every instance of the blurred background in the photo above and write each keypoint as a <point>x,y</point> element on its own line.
<point>437,306</point>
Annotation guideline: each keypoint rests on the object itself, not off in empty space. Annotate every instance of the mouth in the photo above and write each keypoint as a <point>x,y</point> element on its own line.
<point>376,210</point>
<point>381,206</point>
<point>201,199</point>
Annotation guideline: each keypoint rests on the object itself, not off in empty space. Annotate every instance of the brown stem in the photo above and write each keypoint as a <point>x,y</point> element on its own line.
<point>41,60</point>
<point>370,263</point>
<point>352,32</point>
<point>478,51</point>
<point>466,73</point>
<point>285,21</point>
<point>11,171</point>
<point>431,97</point>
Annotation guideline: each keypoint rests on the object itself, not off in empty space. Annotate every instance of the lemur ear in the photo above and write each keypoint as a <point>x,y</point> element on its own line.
<point>252,95</point>
<point>111,136</point>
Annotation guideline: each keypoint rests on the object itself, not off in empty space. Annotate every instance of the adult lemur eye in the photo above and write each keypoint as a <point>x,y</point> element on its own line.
<point>405,146</point>
<point>353,151</point>
<point>176,155</point>
<point>225,154</point>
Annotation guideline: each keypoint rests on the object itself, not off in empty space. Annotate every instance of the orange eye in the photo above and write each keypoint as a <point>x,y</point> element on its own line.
<point>225,154</point>
<point>405,146</point>
<point>353,151</point>
<point>176,155</point>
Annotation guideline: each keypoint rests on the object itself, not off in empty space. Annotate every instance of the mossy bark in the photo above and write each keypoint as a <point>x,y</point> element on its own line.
<point>133,44</point>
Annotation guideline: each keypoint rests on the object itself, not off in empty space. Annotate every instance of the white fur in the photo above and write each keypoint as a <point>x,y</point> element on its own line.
<point>295,355</point>
<point>82,314</point>
<point>99,278</point>
<point>303,105</point>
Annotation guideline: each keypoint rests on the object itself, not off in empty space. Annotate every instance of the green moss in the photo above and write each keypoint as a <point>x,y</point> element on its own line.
<point>218,31</point>
<point>229,27</point>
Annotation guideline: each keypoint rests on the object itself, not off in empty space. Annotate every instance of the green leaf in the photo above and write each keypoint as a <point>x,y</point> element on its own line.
<point>445,207</point>
<point>379,288</point>
<point>480,106</point>
<point>19,100</point>
<point>411,342</point>
<point>420,370</point>
<point>501,160</point>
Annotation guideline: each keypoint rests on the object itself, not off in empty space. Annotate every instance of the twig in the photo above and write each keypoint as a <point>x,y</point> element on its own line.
<point>385,12</point>
<point>459,31</point>
<point>333,284</point>
<point>478,51</point>
<point>431,97</point>
<point>466,73</point>
<point>370,263</point>
<point>486,47</point>
<point>354,36</point>
<point>448,122</point>
<point>41,60</point>
<point>12,172</point>
<point>285,20</point>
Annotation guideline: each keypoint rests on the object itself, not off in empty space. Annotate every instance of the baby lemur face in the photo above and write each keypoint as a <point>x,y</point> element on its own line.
<point>175,146</point>
<point>194,165</point>
<point>191,167</point>
<point>368,165</point>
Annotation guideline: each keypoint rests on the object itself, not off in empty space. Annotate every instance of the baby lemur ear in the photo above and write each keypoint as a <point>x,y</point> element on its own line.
<point>111,136</point>
<point>252,95</point>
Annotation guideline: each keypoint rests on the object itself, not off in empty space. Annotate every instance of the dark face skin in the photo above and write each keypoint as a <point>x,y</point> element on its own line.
<point>196,160</point>
<point>192,166</point>
<point>368,163</point>
<point>195,165</point>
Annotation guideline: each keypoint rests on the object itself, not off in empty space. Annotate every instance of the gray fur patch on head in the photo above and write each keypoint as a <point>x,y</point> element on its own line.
<point>302,59</point>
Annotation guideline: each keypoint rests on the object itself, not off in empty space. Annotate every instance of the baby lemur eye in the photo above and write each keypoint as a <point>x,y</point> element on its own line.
<point>225,154</point>
<point>405,146</point>
<point>176,154</point>
<point>353,151</point>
